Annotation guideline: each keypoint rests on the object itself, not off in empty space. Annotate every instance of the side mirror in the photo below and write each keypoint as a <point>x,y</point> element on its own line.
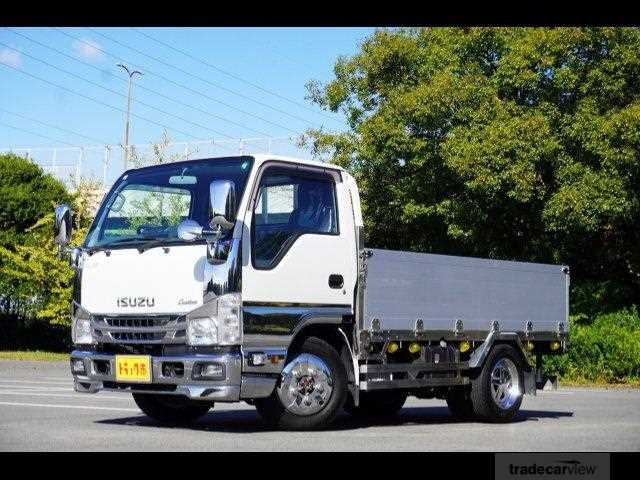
<point>63,227</point>
<point>222,204</point>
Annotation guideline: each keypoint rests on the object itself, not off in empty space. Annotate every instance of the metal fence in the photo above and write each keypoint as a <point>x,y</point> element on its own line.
<point>105,163</point>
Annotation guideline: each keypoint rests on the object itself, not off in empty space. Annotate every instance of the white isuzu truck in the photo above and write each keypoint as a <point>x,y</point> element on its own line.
<point>246,279</point>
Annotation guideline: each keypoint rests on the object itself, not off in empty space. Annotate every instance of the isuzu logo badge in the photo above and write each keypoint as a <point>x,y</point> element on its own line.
<point>136,301</point>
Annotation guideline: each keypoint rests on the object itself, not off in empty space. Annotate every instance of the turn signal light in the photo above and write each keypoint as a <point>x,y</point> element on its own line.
<point>529,346</point>
<point>392,347</point>
<point>414,347</point>
<point>554,346</point>
<point>464,346</point>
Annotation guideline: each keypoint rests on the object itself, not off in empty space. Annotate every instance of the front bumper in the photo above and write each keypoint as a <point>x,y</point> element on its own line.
<point>99,374</point>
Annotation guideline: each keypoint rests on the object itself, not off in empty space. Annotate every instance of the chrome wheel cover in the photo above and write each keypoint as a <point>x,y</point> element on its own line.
<point>505,384</point>
<point>306,385</point>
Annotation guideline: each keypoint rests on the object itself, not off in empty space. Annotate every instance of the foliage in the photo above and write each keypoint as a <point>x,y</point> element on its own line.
<point>606,350</point>
<point>36,283</point>
<point>26,193</point>
<point>511,143</point>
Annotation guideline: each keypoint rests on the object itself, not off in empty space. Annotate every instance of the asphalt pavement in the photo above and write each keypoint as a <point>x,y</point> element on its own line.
<point>39,411</point>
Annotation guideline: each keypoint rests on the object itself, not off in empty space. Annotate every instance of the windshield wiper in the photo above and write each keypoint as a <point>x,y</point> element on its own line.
<point>145,243</point>
<point>151,243</point>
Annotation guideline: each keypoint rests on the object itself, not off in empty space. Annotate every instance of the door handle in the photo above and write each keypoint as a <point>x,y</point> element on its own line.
<point>336,281</point>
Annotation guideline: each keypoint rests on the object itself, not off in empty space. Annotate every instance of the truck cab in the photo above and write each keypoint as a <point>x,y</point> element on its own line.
<point>245,279</point>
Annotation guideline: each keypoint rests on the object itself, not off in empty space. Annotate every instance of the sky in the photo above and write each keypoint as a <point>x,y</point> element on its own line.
<point>234,83</point>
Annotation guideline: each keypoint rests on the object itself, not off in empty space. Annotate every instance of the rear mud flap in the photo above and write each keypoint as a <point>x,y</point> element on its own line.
<point>530,387</point>
<point>548,382</point>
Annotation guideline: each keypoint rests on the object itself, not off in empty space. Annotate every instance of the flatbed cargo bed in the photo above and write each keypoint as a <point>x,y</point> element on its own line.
<point>406,291</point>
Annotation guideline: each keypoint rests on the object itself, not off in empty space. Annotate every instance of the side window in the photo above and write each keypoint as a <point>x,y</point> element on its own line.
<point>290,204</point>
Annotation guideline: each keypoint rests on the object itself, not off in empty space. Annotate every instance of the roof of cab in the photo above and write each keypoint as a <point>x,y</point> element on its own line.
<point>263,157</point>
<point>259,159</point>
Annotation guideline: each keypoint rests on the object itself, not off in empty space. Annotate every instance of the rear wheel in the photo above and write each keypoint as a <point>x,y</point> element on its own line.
<point>377,404</point>
<point>171,409</point>
<point>496,393</point>
<point>311,390</point>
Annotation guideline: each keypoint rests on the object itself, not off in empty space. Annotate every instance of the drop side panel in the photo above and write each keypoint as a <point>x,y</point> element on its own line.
<point>402,287</point>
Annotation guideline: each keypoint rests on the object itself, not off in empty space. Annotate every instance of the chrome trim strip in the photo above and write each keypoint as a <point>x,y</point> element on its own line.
<point>413,383</point>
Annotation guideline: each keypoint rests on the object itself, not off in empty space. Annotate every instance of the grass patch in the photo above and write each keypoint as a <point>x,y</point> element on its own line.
<point>37,355</point>
<point>599,383</point>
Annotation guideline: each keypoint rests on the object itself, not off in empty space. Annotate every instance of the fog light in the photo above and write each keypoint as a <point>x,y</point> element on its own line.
<point>414,347</point>
<point>554,346</point>
<point>464,346</point>
<point>529,346</point>
<point>257,359</point>
<point>77,366</point>
<point>393,347</point>
<point>208,371</point>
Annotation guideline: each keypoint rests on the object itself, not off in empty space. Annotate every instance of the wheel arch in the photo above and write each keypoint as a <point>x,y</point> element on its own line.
<point>335,334</point>
<point>480,355</point>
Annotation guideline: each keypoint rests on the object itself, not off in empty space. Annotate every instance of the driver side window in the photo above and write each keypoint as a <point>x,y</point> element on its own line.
<point>290,204</point>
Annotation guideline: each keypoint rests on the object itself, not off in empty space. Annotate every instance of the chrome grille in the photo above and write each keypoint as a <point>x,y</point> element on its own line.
<point>136,322</point>
<point>151,329</point>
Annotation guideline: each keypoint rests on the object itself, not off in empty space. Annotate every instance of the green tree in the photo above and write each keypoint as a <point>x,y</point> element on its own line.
<point>34,283</point>
<point>26,194</point>
<point>511,143</point>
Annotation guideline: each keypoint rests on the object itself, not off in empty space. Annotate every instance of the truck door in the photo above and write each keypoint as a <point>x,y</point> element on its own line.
<point>299,242</point>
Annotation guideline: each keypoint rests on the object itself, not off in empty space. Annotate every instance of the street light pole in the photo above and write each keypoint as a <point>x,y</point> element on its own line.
<point>125,153</point>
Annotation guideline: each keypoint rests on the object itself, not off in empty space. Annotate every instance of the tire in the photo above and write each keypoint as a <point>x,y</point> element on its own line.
<point>311,390</point>
<point>170,409</point>
<point>459,403</point>
<point>498,400</point>
<point>377,404</point>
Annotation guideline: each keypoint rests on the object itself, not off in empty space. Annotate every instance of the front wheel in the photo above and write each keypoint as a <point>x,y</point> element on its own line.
<point>170,409</point>
<point>496,393</point>
<point>311,390</point>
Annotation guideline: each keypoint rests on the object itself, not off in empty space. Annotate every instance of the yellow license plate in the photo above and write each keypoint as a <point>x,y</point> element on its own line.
<point>133,368</point>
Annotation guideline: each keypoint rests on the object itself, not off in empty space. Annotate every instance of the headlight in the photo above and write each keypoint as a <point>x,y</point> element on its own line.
<point>218,322</point>
<point>81,331</point>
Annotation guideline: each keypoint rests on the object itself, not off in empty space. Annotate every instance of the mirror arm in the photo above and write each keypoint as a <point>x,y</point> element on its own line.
<point>212,235</point>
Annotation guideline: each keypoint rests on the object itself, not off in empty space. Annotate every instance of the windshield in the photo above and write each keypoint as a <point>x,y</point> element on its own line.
<point>148,204</point>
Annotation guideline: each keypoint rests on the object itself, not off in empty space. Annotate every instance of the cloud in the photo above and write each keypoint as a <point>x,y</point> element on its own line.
<point>10,57</point>
<point>87,48</point>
